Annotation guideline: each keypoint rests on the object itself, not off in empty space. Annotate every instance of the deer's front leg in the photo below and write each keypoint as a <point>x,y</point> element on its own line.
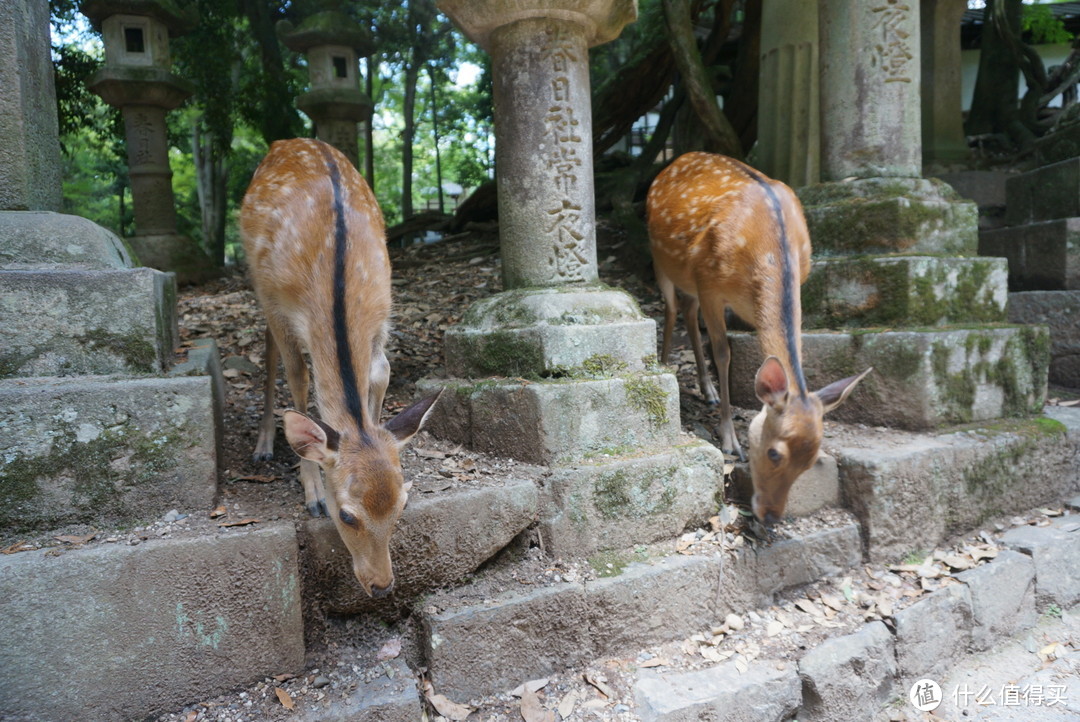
<point>714,321</point>
<point>378,380</point>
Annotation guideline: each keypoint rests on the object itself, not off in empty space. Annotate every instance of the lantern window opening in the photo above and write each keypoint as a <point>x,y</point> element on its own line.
<point>134,40</point>
<point>341,66</point>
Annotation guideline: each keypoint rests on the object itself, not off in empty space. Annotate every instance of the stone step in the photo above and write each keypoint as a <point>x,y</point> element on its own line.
<point>47,240</point>
<point>113,631</point>
<point>1057,310</point>
<point>105,450</point>
<point>619,500</point>
<point>66,322</point>
<point>904,291</point>
<point>560,420</point>
<point>911,491</point>
<point>889,215</point>
<point>1044,194</point>
<point>477,644</point>
<point>1043,256</point>
<point>922,379</point>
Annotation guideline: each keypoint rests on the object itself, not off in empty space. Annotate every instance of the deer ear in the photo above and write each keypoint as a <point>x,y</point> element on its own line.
<point>310,438</point>
<point>405,425</point>
<point>771,384</point>
<point>834,394</point>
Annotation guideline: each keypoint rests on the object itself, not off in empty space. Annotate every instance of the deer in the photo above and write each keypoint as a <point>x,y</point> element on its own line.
<point>314,239</point>
<point>727,236</point>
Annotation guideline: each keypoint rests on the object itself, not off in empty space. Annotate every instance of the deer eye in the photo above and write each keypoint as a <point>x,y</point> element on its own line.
<point>775,456</point>
<point>348,519</point>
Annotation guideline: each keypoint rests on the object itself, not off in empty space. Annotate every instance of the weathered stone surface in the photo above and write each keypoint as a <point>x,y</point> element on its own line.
<point>37,239</point>
<point>557,421</point>
<point>439,539</point>
<point>494,645</point>
<point>30,151</point>
<point>904,291</point>
<point>1044,194</point>
<point>921,379</point>
<point>551,332</point>
<point>203,359</point>
<point>149,628</point>
<point>914,490</point>
<point>1054,550</point>
<point>890,215</point>
<point>105,450</point>
<point>763,692</point>
<point>1042,256</point>
<point>58,323</point>
<point>1002,598</point>
<point>1057,310</point>
<point>650,603</point>
<point>848,677</point>
<point>792,562</point>
<point>614,503</point>
<point>172,252</point>
<point>603,20</point>
<point>384,699</point>
<point>933,634</point>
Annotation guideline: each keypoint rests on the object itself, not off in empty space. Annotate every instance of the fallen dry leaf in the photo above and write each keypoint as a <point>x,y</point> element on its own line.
<point>218,511</point>
<point>17,547</point>
<point>260,478</point>
<point>285,698</point>
<point>532,686</point>
<point>444,706</point>
<point>284,677</point>
<point>774,628</point>
<point>567,704</point>
<point>1051,651</point>
<point>390,650</point>
<point>654,662</point>
<point>600,682</point>
<point>741,665</point>
<point>239,522</point>
<point>958,562</point>
<point>75,538</point>
<point>532,710</point>
<point>809,607</point>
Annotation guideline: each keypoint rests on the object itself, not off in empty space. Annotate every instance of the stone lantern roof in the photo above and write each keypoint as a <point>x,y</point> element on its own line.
<point>178,16</point>
<point>603,20</point>
<point>329,27</point>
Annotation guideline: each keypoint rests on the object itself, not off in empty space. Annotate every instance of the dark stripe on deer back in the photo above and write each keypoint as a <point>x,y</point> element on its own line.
<point>353,403</point>
<point>789,285</point>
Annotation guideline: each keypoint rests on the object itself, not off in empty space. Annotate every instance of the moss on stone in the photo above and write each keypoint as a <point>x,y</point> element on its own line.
<point>614,563</point>
<point>645,394</point>
<point>505,353</point>
<point>633,493</point>
<point>603,366</point>
<point>139,355</point>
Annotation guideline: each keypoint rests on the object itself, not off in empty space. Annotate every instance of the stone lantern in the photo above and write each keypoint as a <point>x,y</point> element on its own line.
<point>137,78</point>
<point>334,44</point>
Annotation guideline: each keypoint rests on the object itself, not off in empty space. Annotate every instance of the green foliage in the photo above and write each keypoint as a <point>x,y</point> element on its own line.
<point>1044,27</point>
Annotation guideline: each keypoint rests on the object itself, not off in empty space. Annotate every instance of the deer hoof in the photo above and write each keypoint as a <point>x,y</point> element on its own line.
<point>318,508</point>
<point>262,456</point>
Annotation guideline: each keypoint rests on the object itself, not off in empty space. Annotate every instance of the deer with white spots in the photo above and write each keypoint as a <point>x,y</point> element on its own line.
<point>316,248</point>
<point>727,236</point>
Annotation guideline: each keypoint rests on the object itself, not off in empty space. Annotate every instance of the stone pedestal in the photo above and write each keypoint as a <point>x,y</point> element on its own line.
<point>333,43</point>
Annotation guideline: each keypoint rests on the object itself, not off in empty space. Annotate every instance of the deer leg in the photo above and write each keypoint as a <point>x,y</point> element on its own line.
<point>667,290</point>
<point>714,322</point>
<point>296,371</point>
<point>690,306</point>
<point>264,447</point>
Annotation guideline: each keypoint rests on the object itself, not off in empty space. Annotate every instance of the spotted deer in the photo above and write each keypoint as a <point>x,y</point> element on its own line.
<point>727,236</point>
<point>315,244</point>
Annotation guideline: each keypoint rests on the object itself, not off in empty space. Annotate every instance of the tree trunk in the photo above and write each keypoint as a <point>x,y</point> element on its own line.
<point>435,134</point>
<point>993,102</point>
<point>211,176</point>
<point>409,110</point>
<point>278,119</point>
<point>720,137</point>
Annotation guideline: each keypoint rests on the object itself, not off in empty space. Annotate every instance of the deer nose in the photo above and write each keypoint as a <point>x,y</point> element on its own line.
<point>379,592</point>
<point>771,518</point>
